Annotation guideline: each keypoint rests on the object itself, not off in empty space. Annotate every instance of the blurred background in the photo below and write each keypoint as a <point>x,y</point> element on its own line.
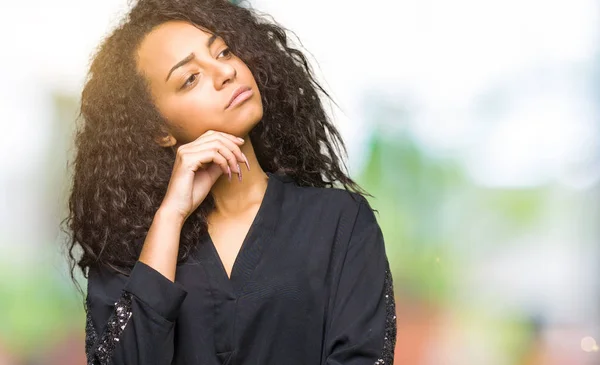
<point>475,125</point>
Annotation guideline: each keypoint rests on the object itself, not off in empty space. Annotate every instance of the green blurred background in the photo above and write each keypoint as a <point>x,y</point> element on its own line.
<point>474,125</point>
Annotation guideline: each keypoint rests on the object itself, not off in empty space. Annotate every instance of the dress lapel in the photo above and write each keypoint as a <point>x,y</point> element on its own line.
<point>259,235</point>
<point>257,240</point>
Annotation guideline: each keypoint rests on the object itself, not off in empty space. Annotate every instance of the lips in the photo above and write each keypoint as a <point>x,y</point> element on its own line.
<point>240,90</point>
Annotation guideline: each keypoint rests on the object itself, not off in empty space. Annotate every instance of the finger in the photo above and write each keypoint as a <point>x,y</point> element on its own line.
<point>227,139</point>
<point>227,143</point>
<point>233,157</point>
<point>208,132</point>
<point>200,159</point>
<point>211,133</point>
<point>204,153</point>
<point>232,138</point>
<point>200,139</point>
<point>221,161</point>
<point>231,141</point>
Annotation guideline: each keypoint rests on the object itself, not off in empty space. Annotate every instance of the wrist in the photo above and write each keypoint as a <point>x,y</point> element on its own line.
<point>169,216</point>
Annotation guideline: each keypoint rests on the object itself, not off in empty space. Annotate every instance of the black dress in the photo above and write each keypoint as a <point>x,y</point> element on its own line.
<point>311,285</point>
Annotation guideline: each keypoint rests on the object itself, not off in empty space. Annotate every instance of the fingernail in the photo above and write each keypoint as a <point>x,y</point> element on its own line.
<point>239,172</point>
<point>229,173</point>
<point>246,160</point>
<point>240,139</point>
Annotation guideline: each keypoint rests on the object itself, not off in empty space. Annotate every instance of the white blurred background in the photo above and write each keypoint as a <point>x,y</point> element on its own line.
<point>474,123</point>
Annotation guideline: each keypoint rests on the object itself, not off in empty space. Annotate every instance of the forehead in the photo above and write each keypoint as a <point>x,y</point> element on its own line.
<point>168,44</point>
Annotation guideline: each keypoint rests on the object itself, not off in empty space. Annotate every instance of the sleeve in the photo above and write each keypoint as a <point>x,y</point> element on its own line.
<point>361,325</point>
<point>131,319</point>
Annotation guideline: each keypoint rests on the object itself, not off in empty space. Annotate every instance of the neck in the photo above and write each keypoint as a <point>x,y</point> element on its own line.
<point>235,196</point>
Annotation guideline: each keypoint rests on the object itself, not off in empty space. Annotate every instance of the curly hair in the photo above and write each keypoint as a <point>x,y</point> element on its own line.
<point>120,174</point>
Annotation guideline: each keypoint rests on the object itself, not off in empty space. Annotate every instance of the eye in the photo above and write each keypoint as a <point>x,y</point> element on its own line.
<point>226,53</point>
<point>190,80</point>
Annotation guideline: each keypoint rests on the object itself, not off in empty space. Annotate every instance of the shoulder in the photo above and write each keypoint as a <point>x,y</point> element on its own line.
<point>328,202</point>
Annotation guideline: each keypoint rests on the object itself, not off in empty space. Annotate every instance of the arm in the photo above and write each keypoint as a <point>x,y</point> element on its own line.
<point>361,328</point>
<point>130,319</point>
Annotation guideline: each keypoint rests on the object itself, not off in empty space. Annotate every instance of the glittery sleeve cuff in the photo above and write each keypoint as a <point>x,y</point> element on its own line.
<point>156,291</point>
<point>389,341</point>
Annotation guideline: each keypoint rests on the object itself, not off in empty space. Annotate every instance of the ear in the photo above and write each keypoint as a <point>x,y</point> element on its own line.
<point>166,141</point>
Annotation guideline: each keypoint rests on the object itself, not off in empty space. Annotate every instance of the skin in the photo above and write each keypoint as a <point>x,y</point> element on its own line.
<point>194,100</point>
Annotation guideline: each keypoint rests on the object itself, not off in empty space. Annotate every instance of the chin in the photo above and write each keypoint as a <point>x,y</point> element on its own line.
<point>249,116</point>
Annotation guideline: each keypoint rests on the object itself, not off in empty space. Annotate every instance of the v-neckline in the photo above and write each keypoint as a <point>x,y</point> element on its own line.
<point>254,241</point>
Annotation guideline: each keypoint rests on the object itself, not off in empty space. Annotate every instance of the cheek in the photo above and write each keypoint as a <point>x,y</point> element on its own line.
<point>199,113</point>
<point>247,74</point>
<point>241,120</point>
<point>195,114</point>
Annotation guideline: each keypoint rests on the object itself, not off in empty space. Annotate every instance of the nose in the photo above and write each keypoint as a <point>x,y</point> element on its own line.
<point>223,74</point>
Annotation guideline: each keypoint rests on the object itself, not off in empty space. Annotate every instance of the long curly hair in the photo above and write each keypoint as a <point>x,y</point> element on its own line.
<point>120,174</point>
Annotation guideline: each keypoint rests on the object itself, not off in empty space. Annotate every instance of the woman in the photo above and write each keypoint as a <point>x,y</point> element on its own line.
<point>187,265</point>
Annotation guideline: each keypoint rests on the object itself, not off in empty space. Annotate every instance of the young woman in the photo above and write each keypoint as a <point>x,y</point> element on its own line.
<point>210,210</point>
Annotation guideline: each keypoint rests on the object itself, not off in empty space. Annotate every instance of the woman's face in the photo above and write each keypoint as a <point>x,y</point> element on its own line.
<point>192,77</point>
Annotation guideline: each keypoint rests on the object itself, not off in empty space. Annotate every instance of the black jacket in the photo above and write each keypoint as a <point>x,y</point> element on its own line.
<point>311,285</point>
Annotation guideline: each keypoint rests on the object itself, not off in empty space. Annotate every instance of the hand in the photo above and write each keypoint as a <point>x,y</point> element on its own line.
<point>197,167</point>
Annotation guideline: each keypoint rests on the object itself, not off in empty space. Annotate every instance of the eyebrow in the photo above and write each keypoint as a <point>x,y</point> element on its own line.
<point>191,56</point>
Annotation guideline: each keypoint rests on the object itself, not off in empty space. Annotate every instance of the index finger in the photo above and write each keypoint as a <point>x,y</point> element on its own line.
<point>231,137</point>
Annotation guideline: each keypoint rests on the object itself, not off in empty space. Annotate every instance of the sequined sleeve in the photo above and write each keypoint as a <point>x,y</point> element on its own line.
<point>100,352</point>
<point>389,340</point>
<point>130,319</point>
